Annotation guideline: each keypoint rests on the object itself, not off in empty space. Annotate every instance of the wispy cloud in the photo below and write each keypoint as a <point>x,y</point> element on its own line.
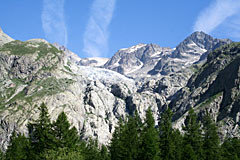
<point>96,35</point>
<point>217,13</point>
<point>53,21</point>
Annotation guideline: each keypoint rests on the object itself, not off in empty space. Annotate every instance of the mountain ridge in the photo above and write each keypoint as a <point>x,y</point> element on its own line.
<point>93,97</point>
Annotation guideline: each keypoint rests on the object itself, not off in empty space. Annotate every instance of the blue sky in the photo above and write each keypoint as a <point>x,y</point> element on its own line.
<point>101,27</point>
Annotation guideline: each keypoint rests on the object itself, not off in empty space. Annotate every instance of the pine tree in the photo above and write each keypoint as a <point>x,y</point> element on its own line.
<point>177,138</point>
<point>63,154</point>
<point>188,153</point>
<point>65,136</point>
<point>41,134</point>
<point>130,139</point>
<point>104,153</point>
<point>91,150</point>
<point>2,156</point>
<point>126,139</point>
<point>116,148</point>
<point>132,136</point>
<point>231,149</point>
<point>193,134</point>
<point>211,144</point>
<point>149,139</point>
<point>166,136</point>
<point>18,147</point>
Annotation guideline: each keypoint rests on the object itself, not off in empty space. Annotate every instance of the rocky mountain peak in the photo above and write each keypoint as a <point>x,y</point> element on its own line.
<point>214,89</point>
<point>136,60</point>
<point>4,38</point>
<point>71,56</point>
<point>95,99</point>
<point>199,35</point>
<point>196,45</point>
<point>133,48</point>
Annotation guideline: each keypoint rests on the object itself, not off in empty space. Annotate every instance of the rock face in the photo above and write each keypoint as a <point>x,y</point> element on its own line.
<point>214,89</point>
<point>192,50</point>
<point>166,70</point>
<point>4,38</point>
<point>137,60</point>
<point>93,62</point>
<point>95,98</point>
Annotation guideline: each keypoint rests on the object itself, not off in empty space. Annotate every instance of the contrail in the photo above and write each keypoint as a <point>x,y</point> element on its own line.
<point>53,21</point>
<point>216,14</point>
<point>96,34</point>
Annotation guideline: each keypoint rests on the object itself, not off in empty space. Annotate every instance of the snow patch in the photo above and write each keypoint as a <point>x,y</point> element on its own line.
<point>134,69</point>
<point>156,54</point>
<point>99,61</point>
<point>104,75</point>
<point>133,48</point>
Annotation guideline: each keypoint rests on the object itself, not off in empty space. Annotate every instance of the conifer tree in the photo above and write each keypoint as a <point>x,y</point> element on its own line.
<point>116,148</point>
<point>231,149</point>
<point>18,147</point>
<point>149,139</point>
<point>130,139</point>
<point>211,144</point>
<point>2,156</point>
<point>177,138</point>
<point>63,154</point>
<point>65,136</point>
<point>91,150</point>
<point>166,136</point>
<point>133,135</point>
<point>126,139</point>
<point>188,153</point>
<point>193,134</point>
<point>104,153</point>
<point>41,134</point>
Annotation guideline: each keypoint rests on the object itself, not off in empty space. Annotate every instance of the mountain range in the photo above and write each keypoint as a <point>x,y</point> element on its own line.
<point>201,72</point>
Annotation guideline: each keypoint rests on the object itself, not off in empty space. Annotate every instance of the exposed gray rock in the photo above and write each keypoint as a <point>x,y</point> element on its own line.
<point>93,98</point>
<point>137,60</point>
<point>4,38</point>
<point>215,88</point>
<point>163,70</point>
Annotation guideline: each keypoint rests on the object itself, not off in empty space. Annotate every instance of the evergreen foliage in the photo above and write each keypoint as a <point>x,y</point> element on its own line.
<point>126,139</point>
<point>116,146</point>
<point>132,140</point>
<point>177,138</point>
<point>41,134</point>
<point>65,136</point>
<point>211,143</point>
<point>231,149</point>
<point>193,135</point>
<point>91,150</point>
<point>2,156</point>
<point>104,154</point>
<point>166,136</point>
<point>18,147</point>
<point>188,153</point>
<point>150,139</point>
<point>63,154</point>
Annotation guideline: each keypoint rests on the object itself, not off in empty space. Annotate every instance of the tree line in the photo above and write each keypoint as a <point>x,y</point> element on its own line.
<point>133,139</point>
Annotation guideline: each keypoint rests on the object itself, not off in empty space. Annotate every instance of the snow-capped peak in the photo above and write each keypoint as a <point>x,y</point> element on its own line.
<point>133,48</point>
